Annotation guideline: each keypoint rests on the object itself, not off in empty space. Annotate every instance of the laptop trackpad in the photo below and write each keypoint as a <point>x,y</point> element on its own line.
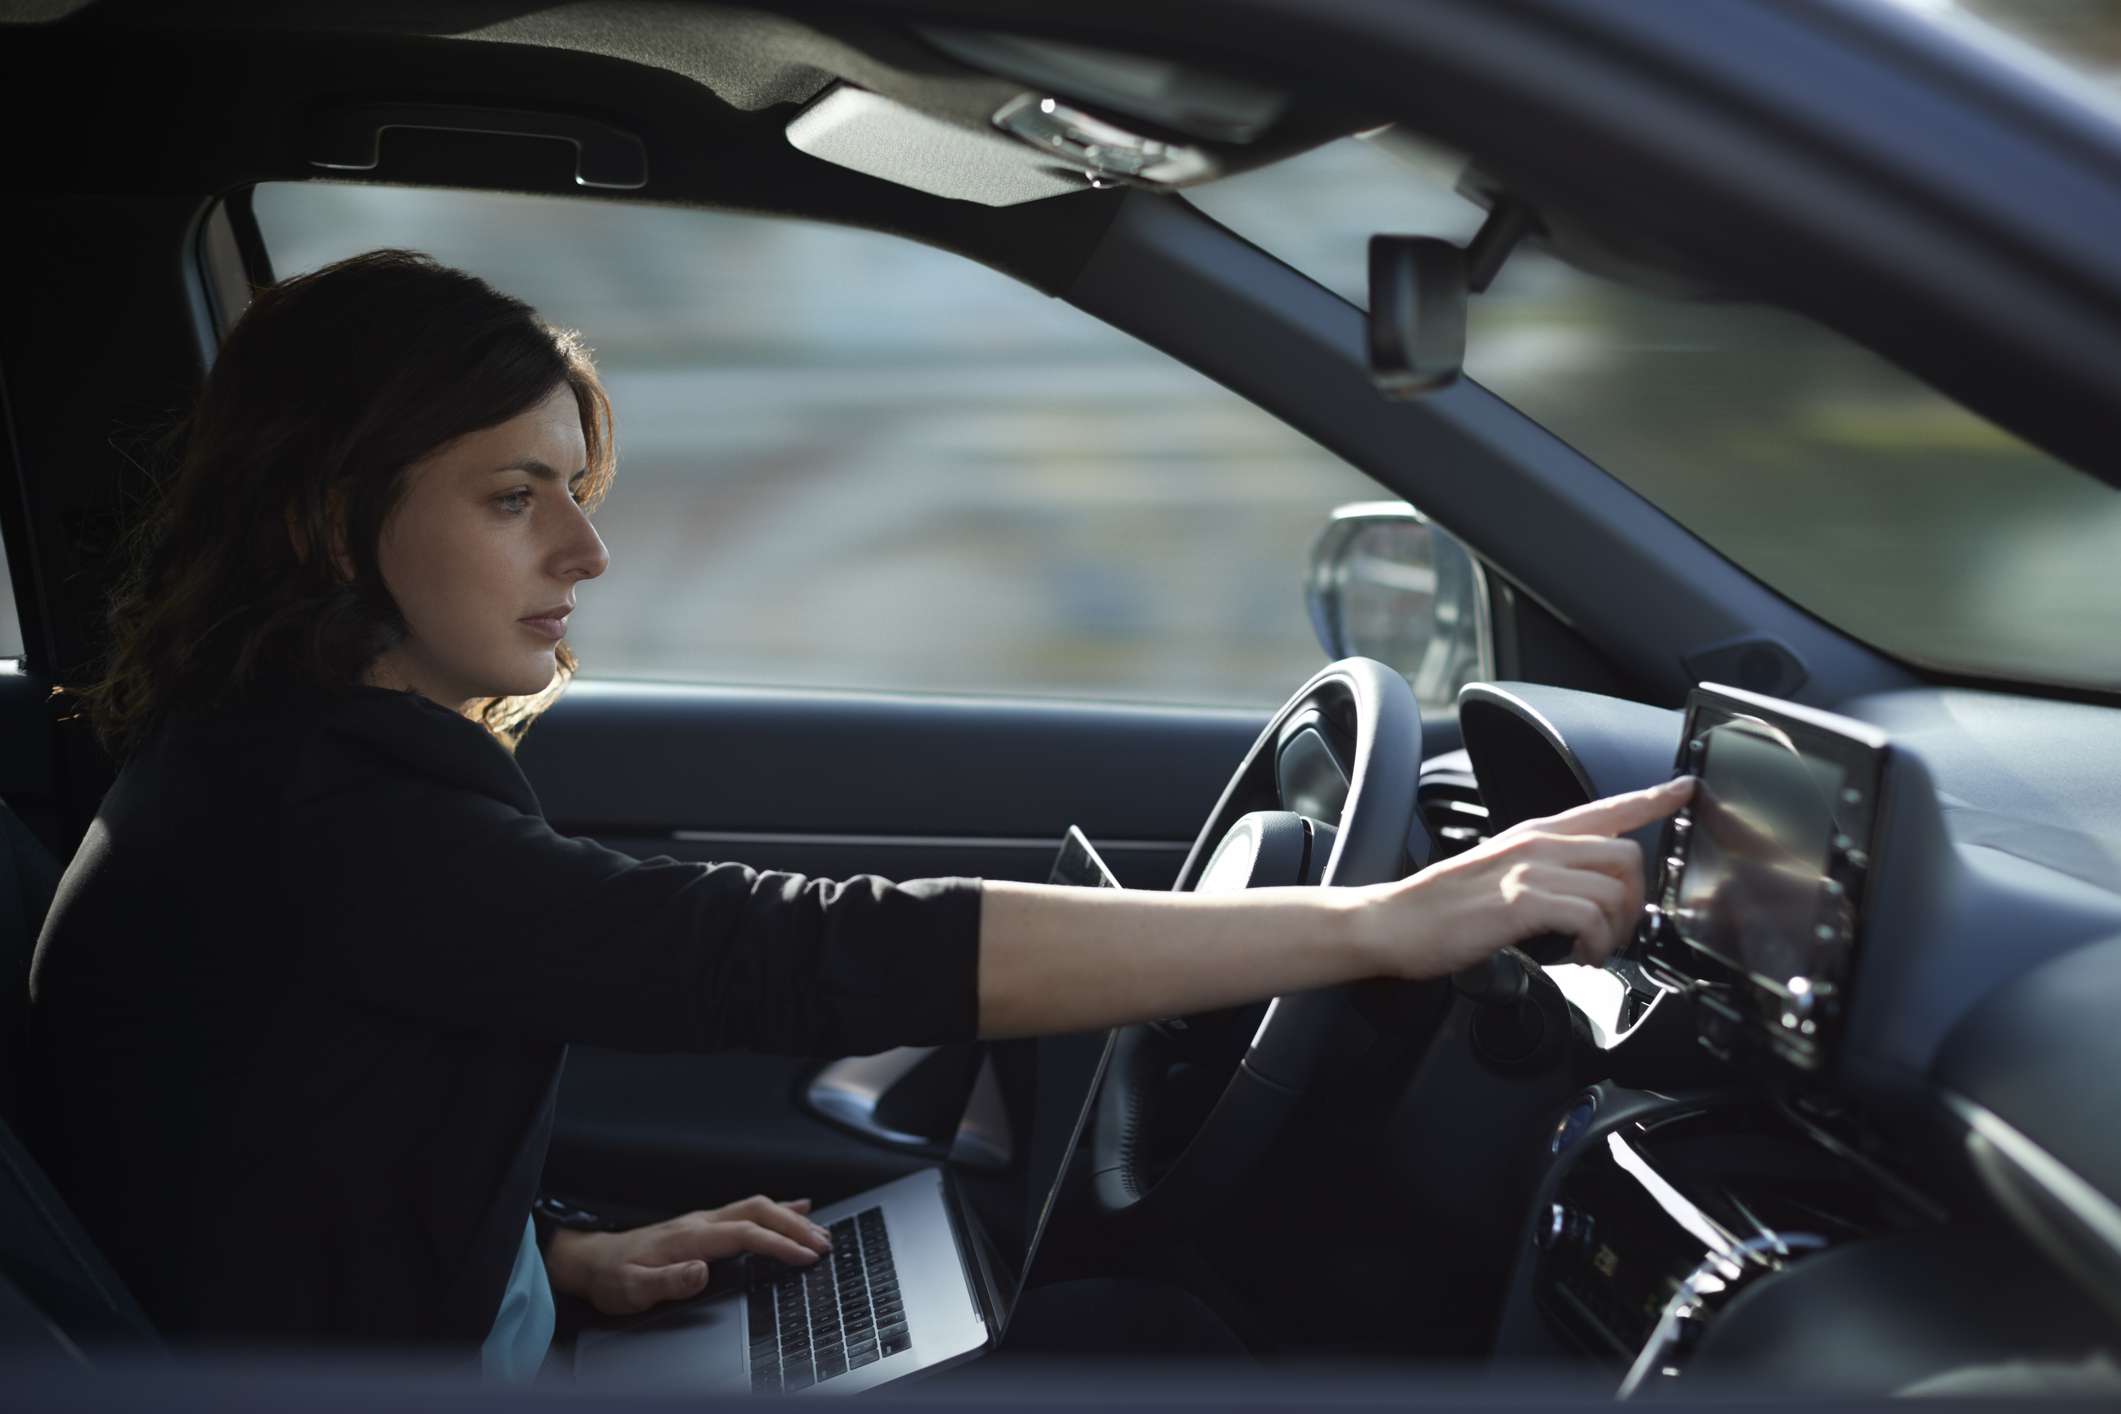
<point>697,1345</point>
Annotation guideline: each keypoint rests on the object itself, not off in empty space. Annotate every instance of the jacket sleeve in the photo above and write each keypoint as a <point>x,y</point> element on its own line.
<point>435,900</point>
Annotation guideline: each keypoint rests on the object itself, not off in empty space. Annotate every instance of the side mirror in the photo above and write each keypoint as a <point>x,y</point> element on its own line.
<point>1386,584</point>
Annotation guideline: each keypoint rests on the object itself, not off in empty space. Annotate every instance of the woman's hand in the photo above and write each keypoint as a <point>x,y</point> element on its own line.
<point>1564,874</point>
<point>621,1273</point>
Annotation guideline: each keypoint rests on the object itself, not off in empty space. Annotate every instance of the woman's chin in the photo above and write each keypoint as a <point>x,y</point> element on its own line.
<point>535,680</point>
<point>522,681</point>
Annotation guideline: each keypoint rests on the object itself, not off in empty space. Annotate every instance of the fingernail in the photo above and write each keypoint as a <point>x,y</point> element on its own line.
<point>818,1234</point>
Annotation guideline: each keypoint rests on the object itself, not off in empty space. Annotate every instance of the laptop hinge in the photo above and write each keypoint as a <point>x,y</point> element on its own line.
<point>977,1250</point>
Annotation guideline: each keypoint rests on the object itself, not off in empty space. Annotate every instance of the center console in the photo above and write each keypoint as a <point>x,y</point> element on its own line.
<point>1665,1212</point>
<point>1658,1212</point>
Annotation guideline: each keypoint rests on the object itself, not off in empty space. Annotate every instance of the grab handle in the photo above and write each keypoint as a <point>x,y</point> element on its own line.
<point>606,157</point>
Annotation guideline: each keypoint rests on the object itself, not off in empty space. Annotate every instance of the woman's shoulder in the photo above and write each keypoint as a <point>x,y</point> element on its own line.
<point>376,729</point>
<point>313,740</point>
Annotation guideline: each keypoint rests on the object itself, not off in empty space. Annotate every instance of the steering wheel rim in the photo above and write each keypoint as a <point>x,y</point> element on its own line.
<point>1366,715</point>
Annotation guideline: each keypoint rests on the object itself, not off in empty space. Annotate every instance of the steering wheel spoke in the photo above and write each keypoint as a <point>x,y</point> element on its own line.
<point>1325,796</point>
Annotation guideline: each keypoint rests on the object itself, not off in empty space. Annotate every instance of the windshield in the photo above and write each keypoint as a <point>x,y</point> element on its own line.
<point>1838,480</point>
<point>2081,35</point>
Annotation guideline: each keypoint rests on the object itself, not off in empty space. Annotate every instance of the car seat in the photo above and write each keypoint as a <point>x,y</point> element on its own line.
<point>58,1296</point>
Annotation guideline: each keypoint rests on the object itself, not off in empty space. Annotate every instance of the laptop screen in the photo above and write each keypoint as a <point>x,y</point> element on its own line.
<point>1045,1089</point>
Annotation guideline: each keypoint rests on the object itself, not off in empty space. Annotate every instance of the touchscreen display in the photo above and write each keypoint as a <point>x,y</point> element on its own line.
<point>1756,890</point>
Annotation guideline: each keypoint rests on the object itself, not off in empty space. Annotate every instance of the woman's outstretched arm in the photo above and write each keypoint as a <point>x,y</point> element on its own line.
<point>1065,959</point>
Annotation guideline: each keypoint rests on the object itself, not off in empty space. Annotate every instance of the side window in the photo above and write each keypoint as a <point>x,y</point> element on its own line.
<point>10,617</point>
<point>848,460</point>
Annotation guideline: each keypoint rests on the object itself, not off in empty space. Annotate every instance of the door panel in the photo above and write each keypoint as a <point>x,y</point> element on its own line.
<point>832,784</point>
<point>649,760</point>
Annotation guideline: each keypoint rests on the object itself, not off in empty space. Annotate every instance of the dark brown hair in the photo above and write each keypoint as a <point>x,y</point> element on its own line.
<point>330,387</point>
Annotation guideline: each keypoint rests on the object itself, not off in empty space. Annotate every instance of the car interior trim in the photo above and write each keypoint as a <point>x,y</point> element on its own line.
<point>2076,1224</point>
<point>854,1092</point>
<point>908,841</point>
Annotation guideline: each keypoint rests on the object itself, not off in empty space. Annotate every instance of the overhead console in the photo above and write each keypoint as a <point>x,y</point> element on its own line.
<point>1758,910</point>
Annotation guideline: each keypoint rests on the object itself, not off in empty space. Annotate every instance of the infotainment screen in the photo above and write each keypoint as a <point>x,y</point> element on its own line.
<point>1755,888</point>
<point>1763,874</point>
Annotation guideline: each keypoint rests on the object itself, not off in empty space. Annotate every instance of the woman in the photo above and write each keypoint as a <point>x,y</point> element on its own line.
<point>307,985</point>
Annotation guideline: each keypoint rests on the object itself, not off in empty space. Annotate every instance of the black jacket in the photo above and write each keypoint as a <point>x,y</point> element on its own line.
<point>302,1000</point>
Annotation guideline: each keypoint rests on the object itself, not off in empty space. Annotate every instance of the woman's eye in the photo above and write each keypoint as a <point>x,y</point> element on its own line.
<point>514,502</point>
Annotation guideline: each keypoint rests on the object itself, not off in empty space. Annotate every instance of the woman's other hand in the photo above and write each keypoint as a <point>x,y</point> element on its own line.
<point>622,1273</point>
<point>1565,874</point>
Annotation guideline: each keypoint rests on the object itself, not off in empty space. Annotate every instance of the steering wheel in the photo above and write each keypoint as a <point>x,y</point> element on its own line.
<point>1325,796</point>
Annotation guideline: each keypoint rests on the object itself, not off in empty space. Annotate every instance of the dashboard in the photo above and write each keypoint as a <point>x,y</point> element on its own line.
<point>1871,1037</point>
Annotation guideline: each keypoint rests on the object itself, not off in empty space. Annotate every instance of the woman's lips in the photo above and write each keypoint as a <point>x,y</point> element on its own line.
<point>553,628</point>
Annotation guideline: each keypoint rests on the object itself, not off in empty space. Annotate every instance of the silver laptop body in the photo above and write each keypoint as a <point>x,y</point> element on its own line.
<point>708,1345</point>
<point>955,1298</point>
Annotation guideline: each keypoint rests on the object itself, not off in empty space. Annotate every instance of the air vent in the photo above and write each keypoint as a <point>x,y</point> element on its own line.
<point>1450,805</point>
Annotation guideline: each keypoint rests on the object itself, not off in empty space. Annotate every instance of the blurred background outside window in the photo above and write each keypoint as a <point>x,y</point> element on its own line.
<point>851,461</point>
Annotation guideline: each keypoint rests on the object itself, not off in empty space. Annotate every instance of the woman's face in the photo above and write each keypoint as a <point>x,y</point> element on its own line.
<point>483,553</point>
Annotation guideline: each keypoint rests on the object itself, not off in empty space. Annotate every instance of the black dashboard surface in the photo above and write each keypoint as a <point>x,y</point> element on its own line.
<point>2037,780</point>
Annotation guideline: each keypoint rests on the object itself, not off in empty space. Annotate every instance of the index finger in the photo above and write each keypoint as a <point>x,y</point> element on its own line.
<point>1618,814</point>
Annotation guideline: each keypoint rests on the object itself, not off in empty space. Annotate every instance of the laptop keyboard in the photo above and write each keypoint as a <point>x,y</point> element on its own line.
<point>811,1324</point>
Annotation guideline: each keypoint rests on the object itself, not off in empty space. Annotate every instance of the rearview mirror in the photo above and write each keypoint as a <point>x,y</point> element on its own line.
<point>1417,323</point>
<point>1386,584</point>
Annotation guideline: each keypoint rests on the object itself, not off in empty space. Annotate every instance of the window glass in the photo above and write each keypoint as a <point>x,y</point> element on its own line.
<point>10,615</point>
<point>1857,491</point>
<point>848,460</point>
<point>2081,35</point>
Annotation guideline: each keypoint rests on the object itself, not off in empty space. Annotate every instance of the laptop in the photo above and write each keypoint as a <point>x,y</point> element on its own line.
<point>924,1272</point>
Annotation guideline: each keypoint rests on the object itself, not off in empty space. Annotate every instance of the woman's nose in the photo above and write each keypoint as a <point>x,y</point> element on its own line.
<point>584,555</point>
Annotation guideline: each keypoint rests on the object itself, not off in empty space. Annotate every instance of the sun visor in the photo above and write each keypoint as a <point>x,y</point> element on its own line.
<point>875,135</point>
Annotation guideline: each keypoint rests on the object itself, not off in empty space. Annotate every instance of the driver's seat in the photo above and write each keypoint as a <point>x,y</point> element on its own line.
<point>58,1296</point>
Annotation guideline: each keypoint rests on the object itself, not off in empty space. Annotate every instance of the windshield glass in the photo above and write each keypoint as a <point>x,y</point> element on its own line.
<point>2081,35</point>
<point>1838,480</point>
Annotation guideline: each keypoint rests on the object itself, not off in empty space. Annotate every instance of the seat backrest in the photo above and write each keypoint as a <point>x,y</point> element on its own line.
<point>45,1255</point>
<point>28,878</point>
